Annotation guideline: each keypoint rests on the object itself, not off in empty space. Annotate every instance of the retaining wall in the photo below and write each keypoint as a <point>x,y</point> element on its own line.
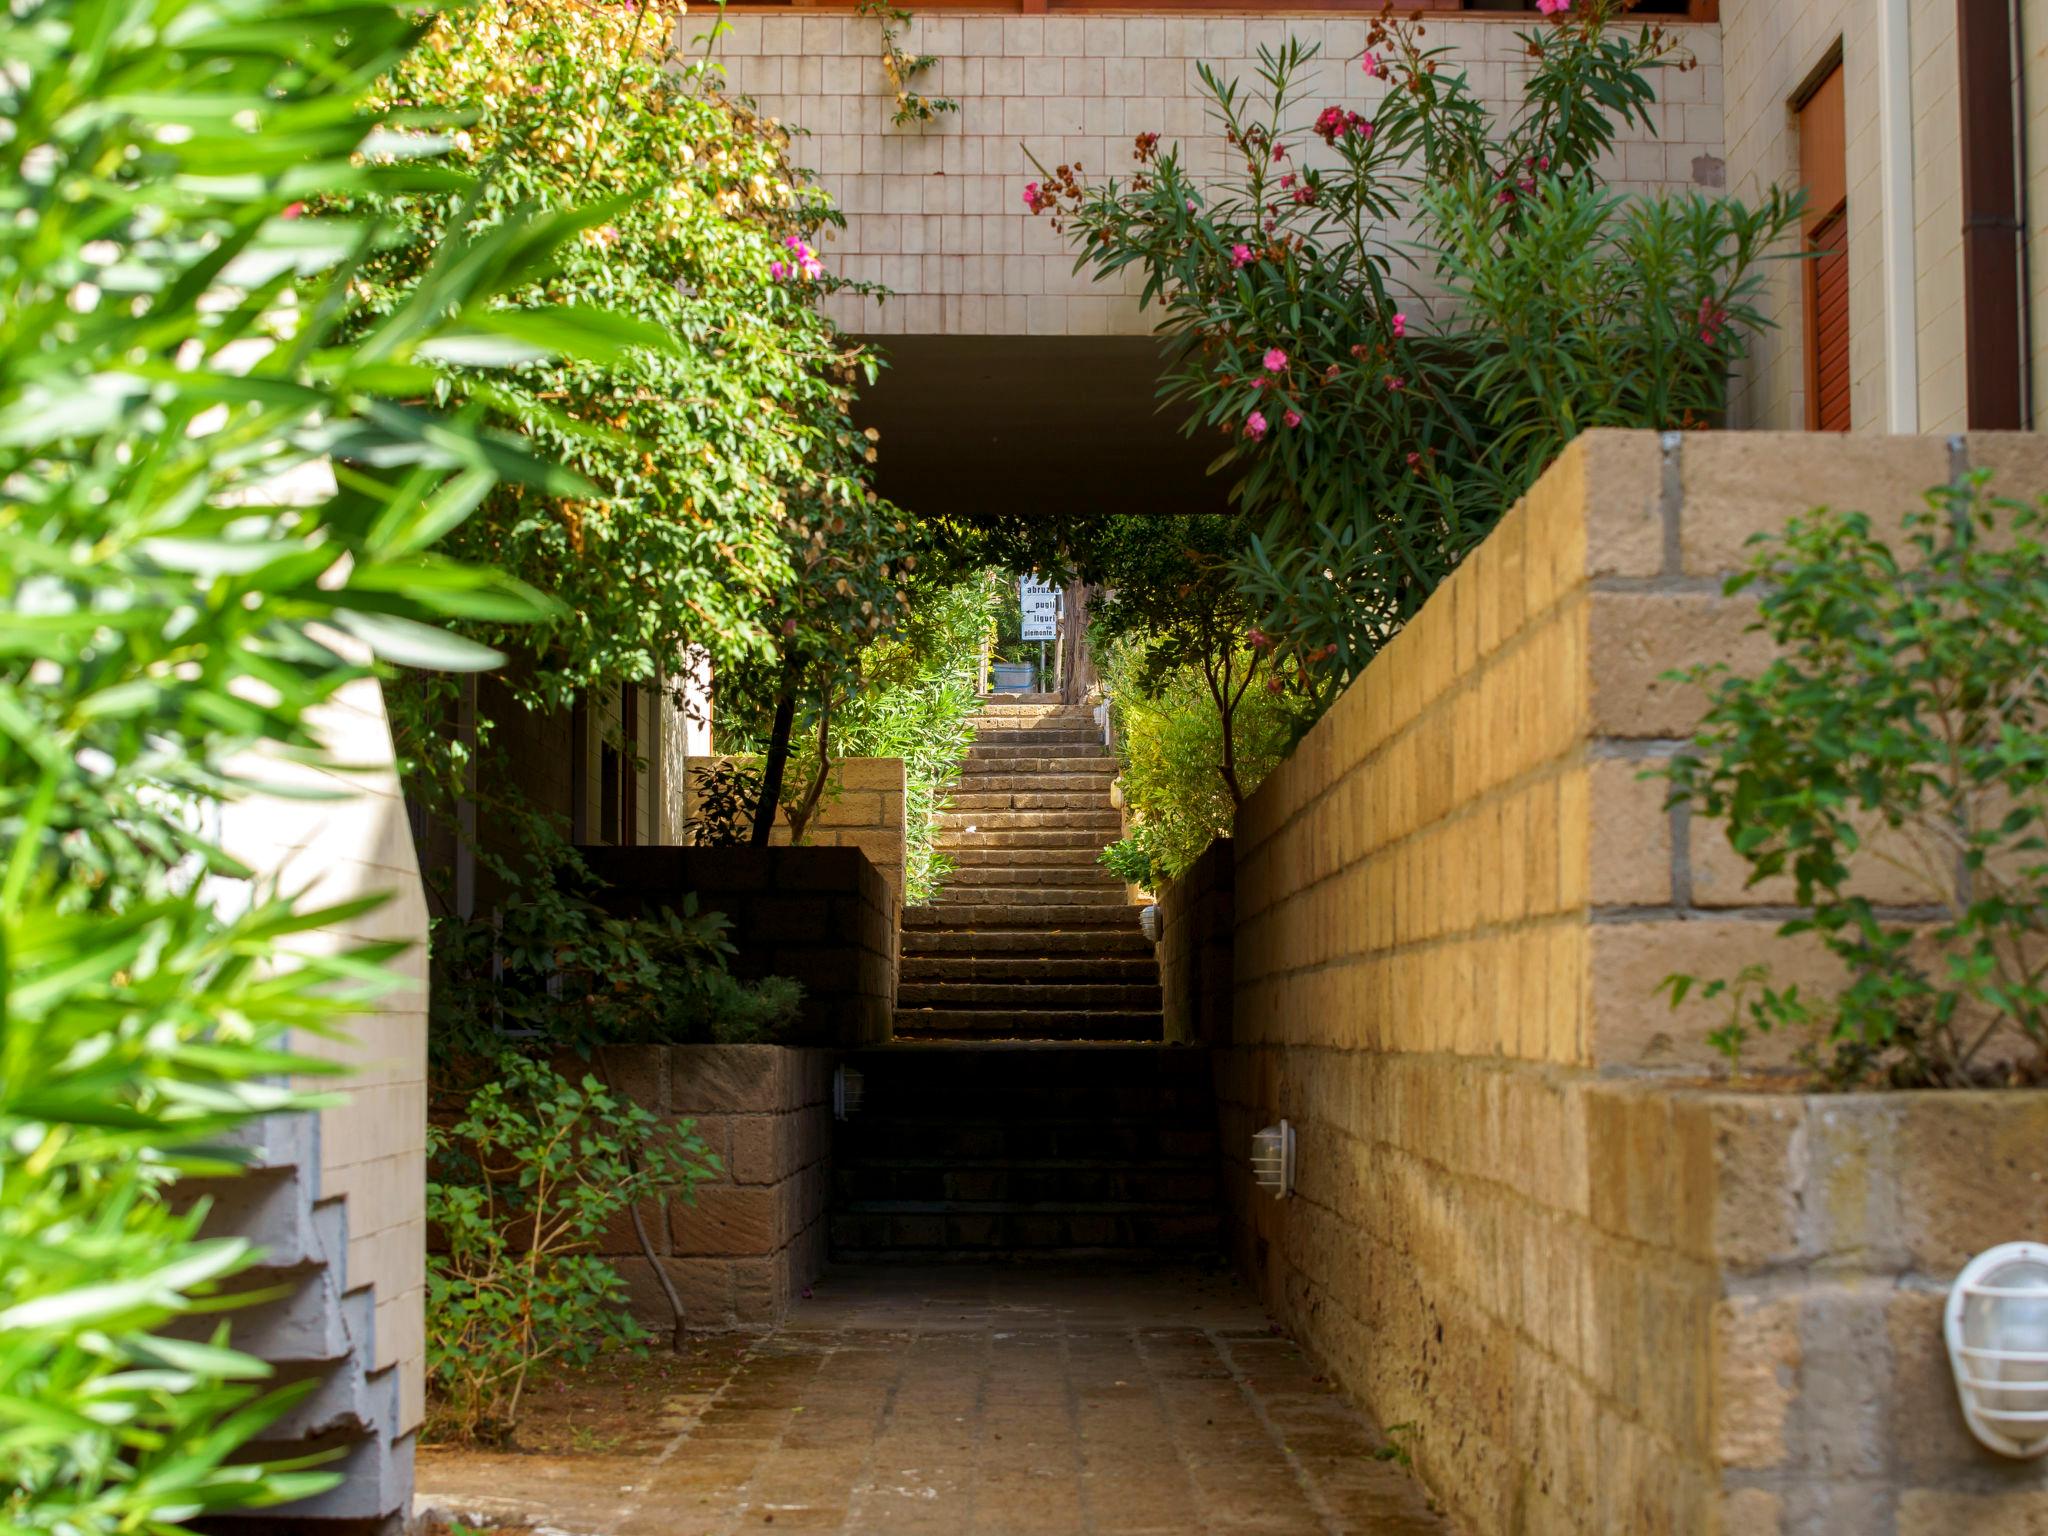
<point>753,1237</point>
<point>1608,1295</point>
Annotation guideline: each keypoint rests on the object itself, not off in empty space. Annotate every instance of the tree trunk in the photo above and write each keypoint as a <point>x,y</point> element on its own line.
<point>778,752</point>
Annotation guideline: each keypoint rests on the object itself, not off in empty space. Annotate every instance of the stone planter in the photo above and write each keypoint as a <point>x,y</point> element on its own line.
<point>755,1235</point>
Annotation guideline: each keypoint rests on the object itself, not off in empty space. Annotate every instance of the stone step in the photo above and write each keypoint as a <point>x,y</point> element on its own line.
<point>957,915</point>
<point>1041,738</point>
<point>1027,941</point>
<point>906,1232</point>
<point>1019,996</point>
<point>1079,713</point>
<point>1024,967</point>
<point>973,891</point>
<point>1014,760</point>
<point>1075,875</point>
<point>1091,781</point>
<point>1028,860</point>
<point>1035,838</point>
<point>1026,1183</point>
<point>1034,1024</point>
<point>1104,819</point>
<point>1000,697</point>
<point>969,800</point>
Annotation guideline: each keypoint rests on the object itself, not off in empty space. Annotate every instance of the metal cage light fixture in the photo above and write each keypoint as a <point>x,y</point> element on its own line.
<point>1273,1160</point>
<point>1997,1326</point>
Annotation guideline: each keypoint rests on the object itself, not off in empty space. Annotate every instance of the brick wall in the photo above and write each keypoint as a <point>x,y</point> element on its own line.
<point>754,1236</point>
<point>1606,1305</point>
<point>862,808</point>
<point>935,211</point>
<point>1195,948</point>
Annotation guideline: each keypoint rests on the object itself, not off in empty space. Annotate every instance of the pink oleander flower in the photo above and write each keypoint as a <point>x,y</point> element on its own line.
<point>1255,425</point>
<point>1415,461</point>
<point>1287,181</point>
<point>1033,197</point>
<point>1553,7</point>
<point>1275,360</point>
<point>1305,194</point>
<point>1712,319</point>
<point>1257,639</point>
<point>1372,66</point>
<point>1396,383</point>
<point>1240,255</point>
<point>1279,151</point>
<point>292,210</point>
<point>1291,419</point>
<point>1400,326</point>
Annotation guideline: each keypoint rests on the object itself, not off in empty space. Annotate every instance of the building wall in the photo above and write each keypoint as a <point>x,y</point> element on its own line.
<point>935,211</point>
<point>361,1174</point>
<point>1607,1298</point>
<point>1773,48</point>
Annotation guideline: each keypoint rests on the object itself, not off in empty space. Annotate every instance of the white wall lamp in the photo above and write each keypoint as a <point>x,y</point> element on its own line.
<point>1997,1327</point>
<point>848,1086</point>
<point>1148,923</point>
<point>1273,1160</point>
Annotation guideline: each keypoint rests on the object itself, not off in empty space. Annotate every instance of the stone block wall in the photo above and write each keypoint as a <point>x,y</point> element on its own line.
<point>935,211</point>
<point>824,916</point>
<point>755,1235</point>
<point>1195,948</point>
<point>1609,1298</point>
<point>862,808</point>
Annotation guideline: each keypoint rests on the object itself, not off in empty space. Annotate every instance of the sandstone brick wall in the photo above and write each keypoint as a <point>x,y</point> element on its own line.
<point>1453,905</point>
<point>754,1236</point>
<point>936,212</point>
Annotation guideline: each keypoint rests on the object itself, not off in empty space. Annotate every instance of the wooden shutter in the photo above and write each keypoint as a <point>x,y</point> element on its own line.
<point>1823,168</point>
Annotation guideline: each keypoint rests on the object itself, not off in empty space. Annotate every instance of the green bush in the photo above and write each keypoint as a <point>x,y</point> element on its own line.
<point>551,968</point>
<point>1170,742</point>
<point>536,1170</point>
<point>201,486</point>
<point>1904,727</point>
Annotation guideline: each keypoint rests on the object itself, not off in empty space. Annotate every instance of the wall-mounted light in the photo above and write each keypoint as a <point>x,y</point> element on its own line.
<point>1148,923</point>
<point>1997,1326</point>
<point>1273,1159</point>
<point>847,1088</point>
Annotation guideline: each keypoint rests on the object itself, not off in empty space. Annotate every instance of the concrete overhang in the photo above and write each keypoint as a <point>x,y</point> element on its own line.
<point>1009,425</point>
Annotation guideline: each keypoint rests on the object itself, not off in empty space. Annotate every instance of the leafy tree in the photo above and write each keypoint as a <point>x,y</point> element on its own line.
<point>1373,439</point>
<point>209,499</point>
<point>1904,727</point>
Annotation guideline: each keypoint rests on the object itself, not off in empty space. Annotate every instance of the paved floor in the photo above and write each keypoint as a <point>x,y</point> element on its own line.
<point>999,1401</point>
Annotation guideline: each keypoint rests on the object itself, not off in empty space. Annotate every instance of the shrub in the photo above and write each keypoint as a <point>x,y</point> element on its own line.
<point>554,969</point>
<point>535,1171</point>
<point>1170,740</point>
<point>1903,725</point>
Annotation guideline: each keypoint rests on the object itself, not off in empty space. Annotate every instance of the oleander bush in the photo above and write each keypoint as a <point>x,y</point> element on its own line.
<point>217,509</point>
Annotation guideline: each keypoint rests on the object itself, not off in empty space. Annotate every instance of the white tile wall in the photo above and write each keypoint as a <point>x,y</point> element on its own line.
<point>936,211</point>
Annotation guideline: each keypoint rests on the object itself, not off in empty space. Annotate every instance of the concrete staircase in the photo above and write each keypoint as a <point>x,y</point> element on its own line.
<point>1031,938</point>
<point>969,1153</point>
<point>310,1326</point>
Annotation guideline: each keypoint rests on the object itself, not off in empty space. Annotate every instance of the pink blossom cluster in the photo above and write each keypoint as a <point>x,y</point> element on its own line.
<point>1334,123</point>
<point>803,262</point>
<point>1240,255</point>
<point>1553,7</point>
<point>1374,66</point>
<point>1034,197</point>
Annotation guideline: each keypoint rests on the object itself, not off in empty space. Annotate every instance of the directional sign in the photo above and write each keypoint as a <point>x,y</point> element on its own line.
<point>1041,608</point>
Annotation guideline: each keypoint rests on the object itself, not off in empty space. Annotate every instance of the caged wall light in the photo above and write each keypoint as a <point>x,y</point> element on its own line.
<point>1273,1159</point>
<point>848,1086</point>
<point>1997,1327</point>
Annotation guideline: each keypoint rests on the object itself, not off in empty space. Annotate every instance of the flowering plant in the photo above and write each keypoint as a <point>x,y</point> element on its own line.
<point>1425,377</point>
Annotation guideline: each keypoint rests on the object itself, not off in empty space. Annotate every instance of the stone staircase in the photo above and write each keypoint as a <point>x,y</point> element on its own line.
<point>1009,1151</point>
<point>1031,938</point>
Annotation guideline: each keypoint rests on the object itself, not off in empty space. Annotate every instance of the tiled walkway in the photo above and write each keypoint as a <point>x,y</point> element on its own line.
<point>1009,1402</point>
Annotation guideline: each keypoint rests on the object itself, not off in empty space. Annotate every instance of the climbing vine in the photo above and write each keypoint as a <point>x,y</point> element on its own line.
<point>903,67</point>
